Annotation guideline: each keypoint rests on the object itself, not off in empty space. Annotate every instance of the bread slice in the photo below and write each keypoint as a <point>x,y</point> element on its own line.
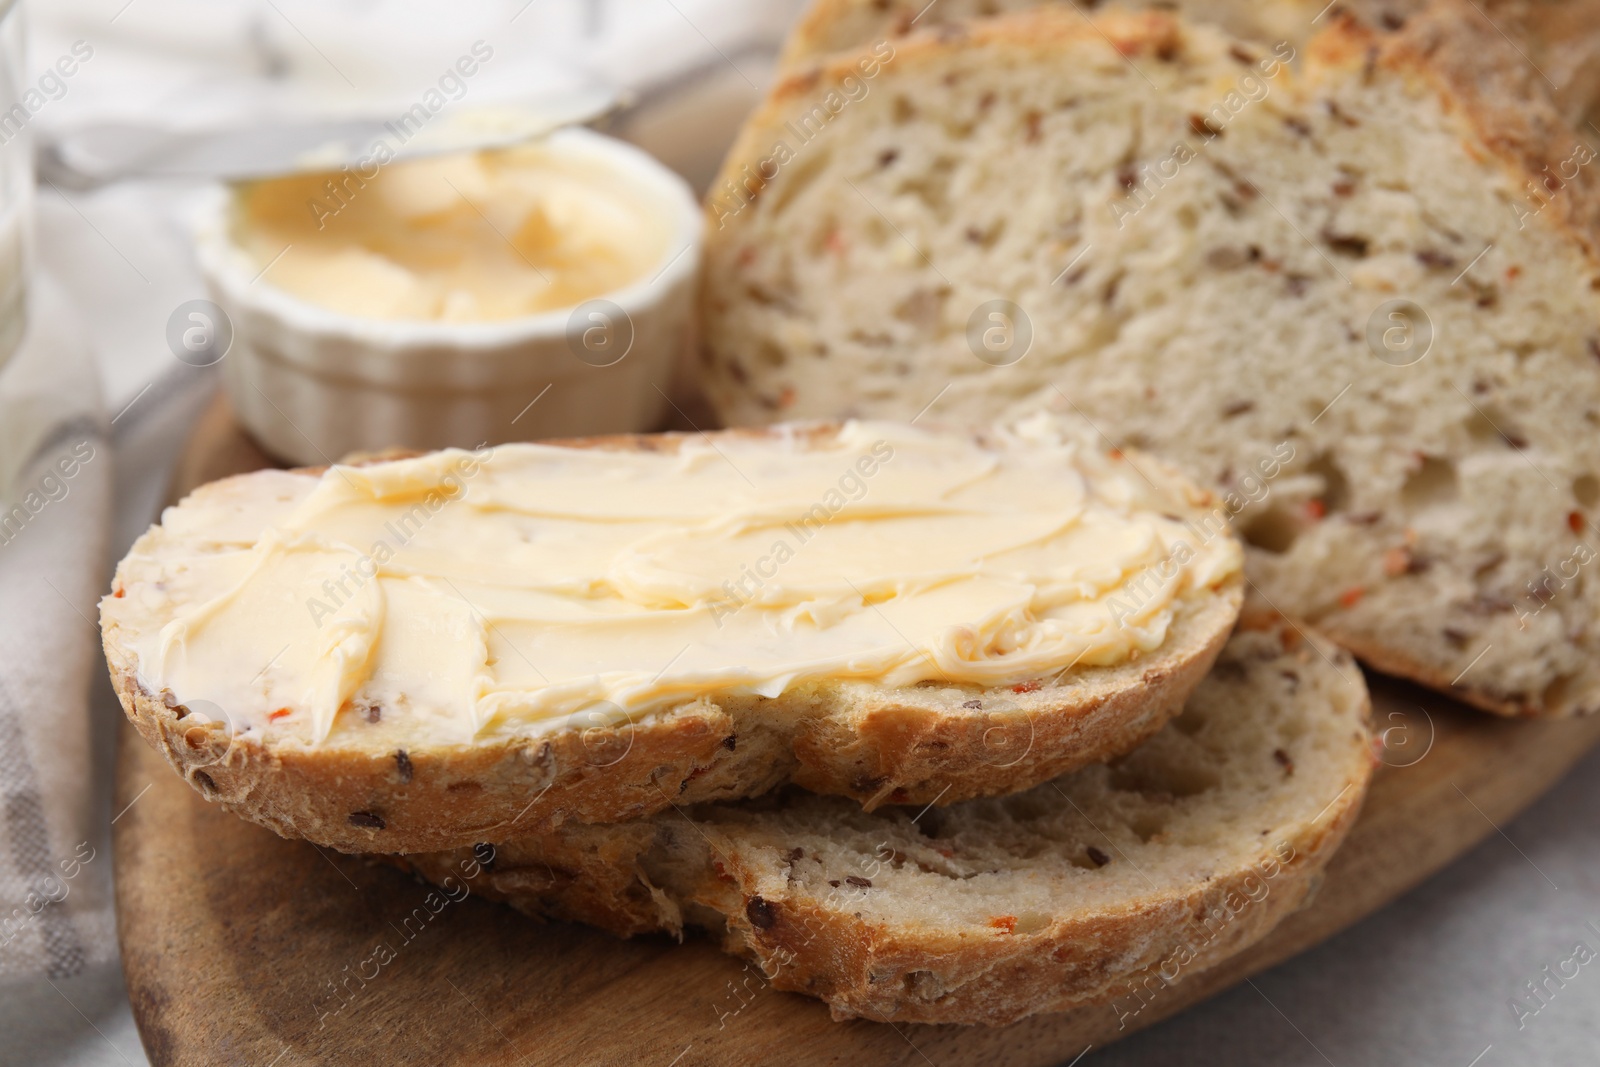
<point>1560,37</point>
<point>1339,296</point>
<point>388,780</point>
<point>1101,886</point>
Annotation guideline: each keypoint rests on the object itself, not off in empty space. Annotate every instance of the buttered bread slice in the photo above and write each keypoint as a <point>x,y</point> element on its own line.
<point>1108,885</point>
<point>422,653</point>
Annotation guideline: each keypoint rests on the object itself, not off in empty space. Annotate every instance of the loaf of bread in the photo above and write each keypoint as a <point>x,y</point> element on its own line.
<point>1104,886</point>
<point>597,630</point>
<point>1357,294</point>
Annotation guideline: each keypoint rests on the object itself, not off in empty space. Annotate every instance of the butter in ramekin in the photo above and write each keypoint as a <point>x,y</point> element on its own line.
<point>468,237</point>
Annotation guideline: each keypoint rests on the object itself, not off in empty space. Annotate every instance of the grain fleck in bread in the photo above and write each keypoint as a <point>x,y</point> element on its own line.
<point>1209,258</point>
<point>1101,886</point>
<point>377,784</point>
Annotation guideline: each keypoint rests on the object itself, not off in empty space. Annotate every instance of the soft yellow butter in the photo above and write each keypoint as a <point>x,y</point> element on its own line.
<point>469,237</point>
<point>486,593</point>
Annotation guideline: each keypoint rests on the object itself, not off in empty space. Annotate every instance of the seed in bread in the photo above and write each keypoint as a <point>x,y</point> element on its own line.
<point>414,654</point>
<point>1217,254</point>
<point>1104,886</point>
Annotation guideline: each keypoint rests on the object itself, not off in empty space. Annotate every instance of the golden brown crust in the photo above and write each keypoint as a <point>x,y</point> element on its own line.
<point>1558,41</point>
<point>1045,30</point>
<point>829,27</point>
<point>913,745</point>
<point>813,33</point>
<point>1449,46</point>
<point>1522,71</point>
<point>1476,71</point>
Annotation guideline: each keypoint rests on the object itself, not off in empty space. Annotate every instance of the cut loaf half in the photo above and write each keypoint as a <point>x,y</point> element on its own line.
<point>401,723</point>
<point>1346,293</point>
<point>1103,886</point>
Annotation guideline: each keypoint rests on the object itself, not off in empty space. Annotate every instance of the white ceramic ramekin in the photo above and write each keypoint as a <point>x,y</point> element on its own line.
<point>311,384</point>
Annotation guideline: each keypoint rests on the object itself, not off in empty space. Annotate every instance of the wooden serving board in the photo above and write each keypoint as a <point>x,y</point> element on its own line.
<point>240,947</point>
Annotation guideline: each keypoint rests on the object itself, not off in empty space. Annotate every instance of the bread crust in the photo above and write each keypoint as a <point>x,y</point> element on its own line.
<point>1501,95</point>
<point>1561,38</point>
<point>866,968</point>
<point>915,745</point>
<point>827,25</point>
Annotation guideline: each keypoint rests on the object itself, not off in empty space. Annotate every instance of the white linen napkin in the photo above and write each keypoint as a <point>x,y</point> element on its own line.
<point>55,511</point>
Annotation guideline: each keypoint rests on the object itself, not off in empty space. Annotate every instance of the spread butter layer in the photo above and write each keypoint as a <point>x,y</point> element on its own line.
<point>508,590</point>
